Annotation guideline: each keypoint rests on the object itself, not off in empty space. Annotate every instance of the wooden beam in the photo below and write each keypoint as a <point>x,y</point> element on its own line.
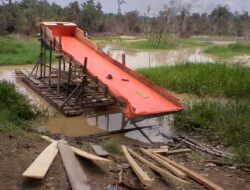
<point>171,168</point>
<point>165,174</point>
<point>41,164</point>
<point>80,152</point>
<point>170,152</point>
<point>76,175</point>
<point>178,151</point>
<point>142,175</point>
<point>123,59</point>
<point>159,150</point>
<point>195,176</point>
<point>50,62</point>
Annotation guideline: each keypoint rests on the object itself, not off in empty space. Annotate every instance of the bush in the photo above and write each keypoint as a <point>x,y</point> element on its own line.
<point>15,108</point>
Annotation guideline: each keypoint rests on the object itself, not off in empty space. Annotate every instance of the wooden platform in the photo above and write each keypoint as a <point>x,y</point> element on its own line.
<point>93,98</point>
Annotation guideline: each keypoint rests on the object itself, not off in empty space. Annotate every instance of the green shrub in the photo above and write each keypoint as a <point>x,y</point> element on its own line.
<point>15,108</point>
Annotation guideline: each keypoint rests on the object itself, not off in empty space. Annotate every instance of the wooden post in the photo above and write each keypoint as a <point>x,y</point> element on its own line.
<point>123,121</point>
<point>54,43</point>
<point>63,64</point>
<point>50,62</point>
<point>60,63</point>
<point>41,55</point>
<point>123,59</point>
<point>69,77</point>
<point>44,59</point>
<point>85,65</point>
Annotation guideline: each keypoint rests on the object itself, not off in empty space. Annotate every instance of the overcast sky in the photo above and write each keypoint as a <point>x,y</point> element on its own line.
<point>157,5</point>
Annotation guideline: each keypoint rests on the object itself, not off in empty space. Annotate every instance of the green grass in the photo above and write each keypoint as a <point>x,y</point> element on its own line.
<point>15,109</point>
<point>17,52</point>
<point>225,122</point>
<point>202,79</point>
<point>112,146</point>
<point>230,50</point>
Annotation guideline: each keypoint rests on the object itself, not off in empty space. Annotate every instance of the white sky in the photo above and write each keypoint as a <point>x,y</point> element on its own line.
<point>157,5</point>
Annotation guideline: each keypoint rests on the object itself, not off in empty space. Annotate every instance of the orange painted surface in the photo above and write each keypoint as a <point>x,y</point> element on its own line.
<point>140,99</point>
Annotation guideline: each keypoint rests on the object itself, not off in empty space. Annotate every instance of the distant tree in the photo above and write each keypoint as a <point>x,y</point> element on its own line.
<point>221,18</point>
<point>72,12</point>
<point>90,15</point>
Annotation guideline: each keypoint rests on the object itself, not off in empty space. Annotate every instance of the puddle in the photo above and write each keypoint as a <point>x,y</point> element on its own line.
<point>141,59</point>
<point>82,125</point>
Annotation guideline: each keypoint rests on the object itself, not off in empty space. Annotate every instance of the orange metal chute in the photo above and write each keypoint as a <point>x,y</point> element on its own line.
<point>142,97</point>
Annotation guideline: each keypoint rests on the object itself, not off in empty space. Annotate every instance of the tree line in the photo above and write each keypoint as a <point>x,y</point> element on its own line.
<point>175,18</point>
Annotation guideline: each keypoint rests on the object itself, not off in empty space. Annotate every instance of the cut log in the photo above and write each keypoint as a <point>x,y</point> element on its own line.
<point>80,152</point>
<point>100,151</point>
<point>195,176</point>
<point>171,168</point>
<point>142,175</point>
<point>77,177</point>
<point>165,174</point>
<point>40,166</point>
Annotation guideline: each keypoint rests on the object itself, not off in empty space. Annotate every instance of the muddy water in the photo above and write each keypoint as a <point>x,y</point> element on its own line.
<point>140,59</point>
<point>81,125</point>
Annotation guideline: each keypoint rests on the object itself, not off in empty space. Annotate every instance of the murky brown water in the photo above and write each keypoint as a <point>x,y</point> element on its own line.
<point>139,59</point>
<point>81,125</point>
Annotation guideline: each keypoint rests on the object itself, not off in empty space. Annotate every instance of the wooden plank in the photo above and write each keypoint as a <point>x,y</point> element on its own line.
<point>158,150</point>
<point>165,174</point>
<point>41,164</point>
<point>76,175</point>
<point>164,147</point>
<point>100,151</point>
<point>195,176</point>
<point>80,152</point>
<point>171,168</point>
<point>142,175</point>
<point>178,151</point>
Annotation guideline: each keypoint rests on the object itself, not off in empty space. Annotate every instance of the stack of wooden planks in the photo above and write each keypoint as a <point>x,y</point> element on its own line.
<point>76,175</point>
<point>174,173</point>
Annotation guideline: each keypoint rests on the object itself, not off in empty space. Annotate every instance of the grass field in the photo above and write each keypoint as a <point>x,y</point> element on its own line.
<point>230,50</point>
<point>18,51</point>
<point>223,122</point>
<point>214,80</point>
<point>15,109</point>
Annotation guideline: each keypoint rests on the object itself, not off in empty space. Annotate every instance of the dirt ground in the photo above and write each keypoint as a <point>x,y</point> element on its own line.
<point>17,153</point>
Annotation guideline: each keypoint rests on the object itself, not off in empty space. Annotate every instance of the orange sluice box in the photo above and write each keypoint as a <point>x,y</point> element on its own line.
<point>141,97</point>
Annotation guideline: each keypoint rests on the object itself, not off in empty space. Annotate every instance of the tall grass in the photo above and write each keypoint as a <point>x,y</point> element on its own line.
<point>230,50</point>
<point>15,109</point>
<point>202,79</point>
<point>17,52</point>
<point>227,122</point>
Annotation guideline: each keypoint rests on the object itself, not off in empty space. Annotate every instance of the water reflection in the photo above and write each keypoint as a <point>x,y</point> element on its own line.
<point>141,59</point>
